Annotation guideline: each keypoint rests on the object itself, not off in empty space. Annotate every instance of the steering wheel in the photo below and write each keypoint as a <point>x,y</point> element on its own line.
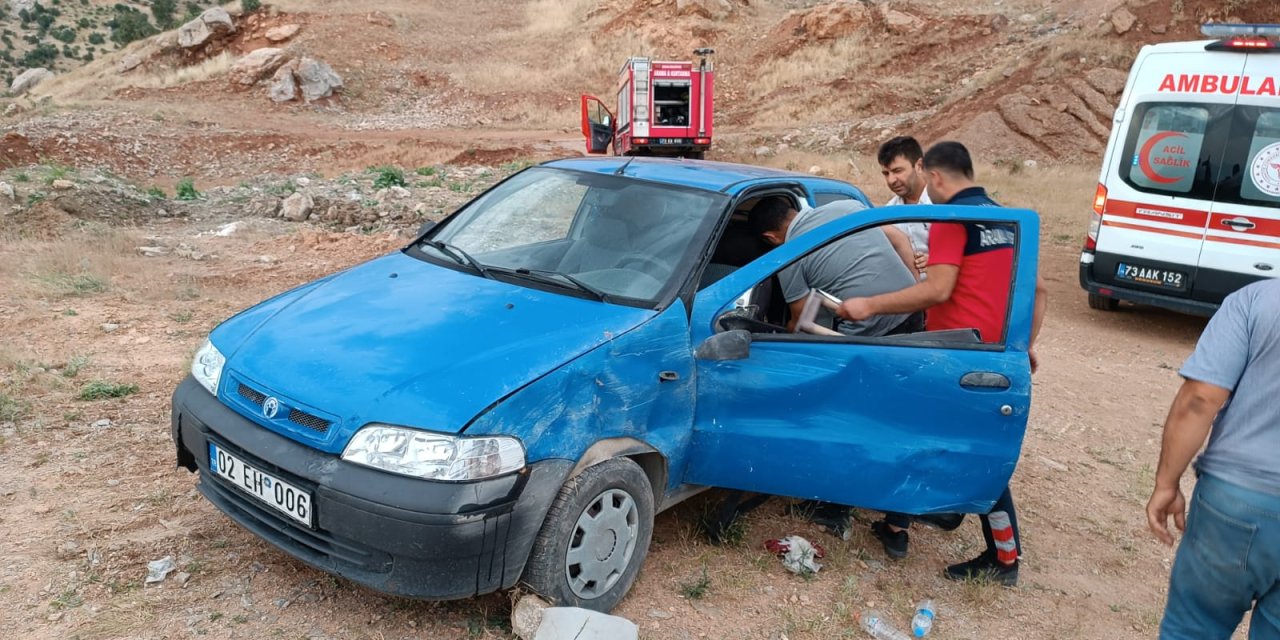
<point>656,269</point>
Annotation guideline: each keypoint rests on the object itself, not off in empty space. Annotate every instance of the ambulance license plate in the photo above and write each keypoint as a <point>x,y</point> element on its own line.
<point>266,488</point>
<point>672,141</point>
<point>1152,276</point>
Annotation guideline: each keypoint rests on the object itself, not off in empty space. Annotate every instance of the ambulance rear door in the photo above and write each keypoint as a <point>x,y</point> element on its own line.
<point>1161,183</point>
<point>1242,235</point>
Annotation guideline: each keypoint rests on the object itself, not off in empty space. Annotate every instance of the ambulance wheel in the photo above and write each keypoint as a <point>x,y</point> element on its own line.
<point>1103,303</point>
<point>595,537</point>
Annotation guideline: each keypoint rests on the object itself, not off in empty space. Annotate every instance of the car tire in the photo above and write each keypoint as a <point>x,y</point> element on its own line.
<point>1103,303</point>
<point>607,510</point>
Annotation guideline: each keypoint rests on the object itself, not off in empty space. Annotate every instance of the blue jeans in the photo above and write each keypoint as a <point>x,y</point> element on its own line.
<point>1228,562</point>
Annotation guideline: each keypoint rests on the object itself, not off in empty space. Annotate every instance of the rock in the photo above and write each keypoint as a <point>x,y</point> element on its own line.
<point>110,326</point>
<point>213,22</point>
<point>316,79</point>
<point>102,424</point>
<point>899,22</point>
<point>1108,81</point>
<point>182,578</point>
<point>129,63</point>
<point>526,616</point>
<point>713,9</point>
<point>62,185</point>
<point>303,181</point>
<point>12,108</point>
<point>283,85</point>
<point>832,21</point>
<point>6,190</point>
<point>1030,164</point>
<point>420,209</point>
<point>998,22</point>
<point>29,79</point>
<point>282,32</point>
<point>19,5</point>
<point>1159,29</point>
<point>68,549</point>
<point>381,19</point>
<point>572,623</point>
<point>1122,20</point>
<point>399,192</point>
<point>152,252</point>
<point>297,207</point>
<point>763,151</point>
<point>817,171</point>
<point>659,614</point>
<point>257,64</point>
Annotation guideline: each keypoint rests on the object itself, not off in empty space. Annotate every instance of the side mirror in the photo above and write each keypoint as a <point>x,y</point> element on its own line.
<point>426,226</point>
<point>729,345</point>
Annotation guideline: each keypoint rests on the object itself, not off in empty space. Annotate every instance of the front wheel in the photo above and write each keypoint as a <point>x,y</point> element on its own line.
<point>595,537</point>
<point>1103,303</point>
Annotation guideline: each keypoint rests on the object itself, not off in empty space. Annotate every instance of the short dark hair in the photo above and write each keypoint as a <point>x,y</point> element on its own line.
<point>904,146</point>
<point>949,156</point>
<point>768,214</point>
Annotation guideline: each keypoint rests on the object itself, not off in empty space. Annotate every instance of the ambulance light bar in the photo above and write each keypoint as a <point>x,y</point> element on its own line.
<point>1223,30</point>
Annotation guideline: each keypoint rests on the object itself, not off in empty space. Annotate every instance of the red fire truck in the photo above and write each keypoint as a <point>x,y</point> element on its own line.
<point>664,108</point>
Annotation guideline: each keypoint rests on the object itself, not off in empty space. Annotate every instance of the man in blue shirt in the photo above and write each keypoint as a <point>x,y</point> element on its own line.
<point>1229,559</point>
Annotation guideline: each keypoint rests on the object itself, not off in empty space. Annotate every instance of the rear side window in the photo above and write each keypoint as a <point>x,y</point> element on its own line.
<point>1166,150</point>
<point>1260,183</point>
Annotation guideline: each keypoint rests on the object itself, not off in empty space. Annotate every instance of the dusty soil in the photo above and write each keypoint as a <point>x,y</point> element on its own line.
<point>105,285</point>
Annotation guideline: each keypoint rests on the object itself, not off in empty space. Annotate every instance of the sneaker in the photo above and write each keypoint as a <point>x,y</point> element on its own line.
<point>944,521</point>
<point>985,568</point>
<point>830,516</point>
<point>895,542</point>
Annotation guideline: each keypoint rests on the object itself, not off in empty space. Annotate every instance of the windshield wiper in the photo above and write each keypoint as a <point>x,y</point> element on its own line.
<point>560,279</point>
<point>457,255</point>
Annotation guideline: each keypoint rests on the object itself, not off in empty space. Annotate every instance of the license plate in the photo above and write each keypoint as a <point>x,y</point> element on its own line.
<point>272,491</point>
<point>1164,278</point>
<point>671,141</point>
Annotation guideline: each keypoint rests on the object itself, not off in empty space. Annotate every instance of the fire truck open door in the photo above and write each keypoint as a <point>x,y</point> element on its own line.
<point>597,124</point>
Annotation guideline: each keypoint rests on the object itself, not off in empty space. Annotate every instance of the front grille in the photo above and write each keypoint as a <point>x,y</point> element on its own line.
<point>309,421</point>
<point>251,394</point>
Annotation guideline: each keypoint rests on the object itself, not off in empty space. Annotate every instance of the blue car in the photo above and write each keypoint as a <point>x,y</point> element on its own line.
<point>514,396</point>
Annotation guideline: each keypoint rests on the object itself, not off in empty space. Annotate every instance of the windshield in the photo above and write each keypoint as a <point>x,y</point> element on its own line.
<point>608,237</point>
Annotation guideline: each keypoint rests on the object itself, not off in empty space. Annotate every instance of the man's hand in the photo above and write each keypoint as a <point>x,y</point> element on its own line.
<point>1035,360</point>
<point>1165,502</point>
<point>855,309</point>
<point>922,260</point>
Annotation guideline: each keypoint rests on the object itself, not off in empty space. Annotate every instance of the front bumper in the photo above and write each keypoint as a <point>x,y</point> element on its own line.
<point>395,534</point>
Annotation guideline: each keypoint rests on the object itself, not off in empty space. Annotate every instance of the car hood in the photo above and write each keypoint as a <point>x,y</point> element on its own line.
<point>403,341</point>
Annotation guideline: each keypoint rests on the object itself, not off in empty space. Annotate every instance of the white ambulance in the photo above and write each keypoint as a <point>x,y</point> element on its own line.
<point>1188,204</point>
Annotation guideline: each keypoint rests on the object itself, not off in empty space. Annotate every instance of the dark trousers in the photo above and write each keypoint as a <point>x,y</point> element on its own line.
<point>1000,529</point>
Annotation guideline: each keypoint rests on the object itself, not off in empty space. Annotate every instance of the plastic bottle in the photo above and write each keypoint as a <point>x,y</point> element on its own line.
<point>923,620</point>
<point>877,627</point>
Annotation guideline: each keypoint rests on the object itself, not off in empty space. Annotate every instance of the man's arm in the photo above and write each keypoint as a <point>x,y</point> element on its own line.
<point>902,245</point>
<point>918,297</point>
<point>1037,319</point>
<point>796,307</point>
<point>1185,430</point>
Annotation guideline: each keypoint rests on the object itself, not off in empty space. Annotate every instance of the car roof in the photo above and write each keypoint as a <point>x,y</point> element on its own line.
<point>713,176</point>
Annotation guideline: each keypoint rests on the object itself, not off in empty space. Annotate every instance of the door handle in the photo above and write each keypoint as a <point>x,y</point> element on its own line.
<point>984,380</point>
<point>1239,223</point>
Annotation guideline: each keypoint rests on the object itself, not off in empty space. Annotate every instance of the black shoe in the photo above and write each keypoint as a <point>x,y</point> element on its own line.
<point>830,516</point>
<point>944,521</point>
<point>985,568</point>
<point>895,542</point>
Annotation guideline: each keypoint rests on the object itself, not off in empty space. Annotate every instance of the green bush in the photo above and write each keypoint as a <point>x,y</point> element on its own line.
<point>250,6</point>
<point>163,11</point>
<point>100,389</point>
<point>186,189</point>
<point>64,34</point>
<point>41,56</point>
<point>129,24</point>
<point>388,177</point>
<point>156,193</point>
<point>425,171</point>
<point>97,38</point>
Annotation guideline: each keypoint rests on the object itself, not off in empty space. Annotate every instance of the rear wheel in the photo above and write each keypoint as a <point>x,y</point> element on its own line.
<point>595,537</point>
<point>1103,303</point>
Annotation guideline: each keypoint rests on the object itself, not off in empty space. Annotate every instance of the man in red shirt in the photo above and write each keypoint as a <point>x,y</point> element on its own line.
<point>970,270</point>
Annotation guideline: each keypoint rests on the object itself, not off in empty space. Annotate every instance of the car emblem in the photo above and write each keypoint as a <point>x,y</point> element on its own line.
<point>270,407</point>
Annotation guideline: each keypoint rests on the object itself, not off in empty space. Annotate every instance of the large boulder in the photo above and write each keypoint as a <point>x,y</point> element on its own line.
<point>283,85</point>
<point>257,64</point>
<point>213,22</point>
<point>297,207</point>
<point>282,32</point>
<point>28,79</point>
<point>317,79</point>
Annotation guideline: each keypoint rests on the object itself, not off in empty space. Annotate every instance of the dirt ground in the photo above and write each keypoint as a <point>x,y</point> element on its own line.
<point>108,286</point>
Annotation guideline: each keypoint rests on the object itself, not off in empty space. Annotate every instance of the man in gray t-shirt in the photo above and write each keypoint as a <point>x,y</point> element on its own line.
<point>860,264</point>
<point>1229,559</point>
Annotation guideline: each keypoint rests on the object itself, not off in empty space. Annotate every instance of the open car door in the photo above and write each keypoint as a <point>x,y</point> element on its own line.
<point>920,423</point>
<point>597,124</point>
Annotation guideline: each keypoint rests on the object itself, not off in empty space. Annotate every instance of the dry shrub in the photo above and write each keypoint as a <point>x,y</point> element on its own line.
<point>81,263</point>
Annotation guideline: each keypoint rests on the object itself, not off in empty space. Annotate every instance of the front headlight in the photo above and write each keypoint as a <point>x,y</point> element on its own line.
<point>206,368</point>
<point>433,456</point>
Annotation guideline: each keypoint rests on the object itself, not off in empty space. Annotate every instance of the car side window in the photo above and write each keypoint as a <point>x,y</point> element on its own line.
<point>976,258</point>
<point>1259,175</point>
